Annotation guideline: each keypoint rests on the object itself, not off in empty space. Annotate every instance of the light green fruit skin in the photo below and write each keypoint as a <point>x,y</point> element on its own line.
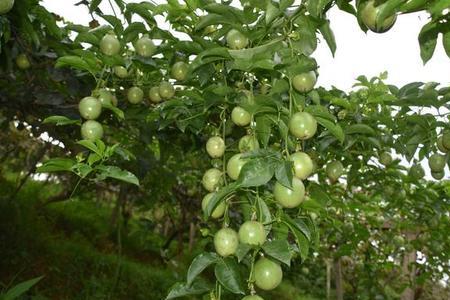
<point>446,140</point>
<point>234,166</point>
<point>303,125</point>
<point>385,158</point>
<point>438,175</point>
<point>135,95</point>
<point>120,72</point>
<point>252,233</point>
<point>437,162</point>
<point>91,130</point>
<point>236,40</point>
<point>105,97</point>
<point>215,146</point>
<point>416,171</point>
<point>218,211</point>
<point>334,170</point>
<point>23,62</point>
<point>268,274</point>
<point>154,96</point>
<point>304,82</point>
<point>240,116</point>
<point>440,145</point>
<point>90,108</point>
<point>212,179</point>
<point>290,198</point>
<point>303,165</point>
<point>226,241</point>
<point>110,45</point>
<point>145,47</point>
<point>179,71</point>
<point>166,90</point>
<point>368,15</point>
<point>6,6</point>
<point>252,297</point>
<point>248,143</point>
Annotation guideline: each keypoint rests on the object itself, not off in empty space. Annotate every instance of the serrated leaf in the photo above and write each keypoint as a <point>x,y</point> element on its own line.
<point>227,273</point>
<point>199,264</point>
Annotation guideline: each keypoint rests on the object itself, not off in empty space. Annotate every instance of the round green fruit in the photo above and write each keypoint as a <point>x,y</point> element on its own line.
<point>226,241</point>
<point>334,170</point>
<point>236,40</point>
<point>303,165</point>
<point>398,240</point>
<point>267,274</point>
<point>145,46</point>
<point>105,97</point>
<point>446,140</point>
<point>416,171</point>
<point>302,125</point>
<point>437,162</point>
<point>304,82</point>
<point>23,62</point>
<point>215,147</point>
<point>90,108</point>
<point>368,15</point>
<point>234,166</point>
<point>248,143</point>
<point>218,211</point>
<point>240,116</point>
<point>135,95</point>
<point>252,297</point>
<point>252,233</point>
<point>121,72</point>
<point>110,45</point>
<point>438,175</point>
<point>305,270</point>
<point>290,198</point>
<point>6,6</point>
<point>166,90</point>
<point>440,145</point>
<point>159,213</point>
<point>180,70</point>
<point>385,158</point>
<point>153,95</point>
<point>212,179</point>
<point>91,130</point>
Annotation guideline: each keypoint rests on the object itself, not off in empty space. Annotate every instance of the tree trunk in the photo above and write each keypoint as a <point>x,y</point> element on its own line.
<point>328,264</point>
<point>338,279</point>
<point>409,271</point>
<point>191,236</point>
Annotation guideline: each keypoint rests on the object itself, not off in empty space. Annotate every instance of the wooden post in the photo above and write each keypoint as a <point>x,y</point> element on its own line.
<point>338,279</point>
<point>409,270</point>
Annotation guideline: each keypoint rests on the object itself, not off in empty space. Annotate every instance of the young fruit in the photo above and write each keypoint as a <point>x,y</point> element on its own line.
<point>180,70</point>
<point>236,40</point>
<point>436,162</point>
<point>438,175</point>
<point>218,211</point>
<point>226,242</point>
<point>166,90</point>
<point>440,145</point>
<point>303,165</point>
<point>145,46</point>
<point>252,233</point>
<point>290,198</point>
<point>446,140</point>
<point>248,143</point>
<point>121,72</point>
<point>235,165</point>
<point>304,82</point>
<point>368,14</point>
<point>334,170</point>
<point>91,130</point>
<point>153,95</point>
<point>252,297</point>
<point>90,108</point>
<point>416,171</point>
<point>240,116</point>
<point>23,62</point>
<point>110,45</point>
<point>305,270</point>
<point>135,95</point>
<point>212,179</point>
<point>267,274</point>
<point>215,147</point>
<point>159,213</point>
<point>302,125</point>
<point>398,240</point>
<point>105,97</point>
<point>385,158</point>
<point>6,6</point>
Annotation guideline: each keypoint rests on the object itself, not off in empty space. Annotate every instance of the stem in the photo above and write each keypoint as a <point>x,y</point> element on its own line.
<point>75,188</point>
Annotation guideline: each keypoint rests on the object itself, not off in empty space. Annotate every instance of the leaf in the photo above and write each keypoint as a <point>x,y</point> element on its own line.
<point>74,62</point>
<point>271,12</point>
<point>318,193</point>
<point>132,31</point>
<point>328,35</point>
<point>278,249</point>
<point>256,172</point>
<point>218,197</point>
<point>359,129</point>
<point>242,250</point>
<point>115,23</point>
<point>117,111</point>
<point>427,40</point>
<point>263,129</point>
<point>20,289</point>
<point>284,173</point>
<point>56,165</point>
<point>60,121</point>
<point>198,287</point>
<point>446,42</point>
<point>94,5</point>
<point>91,146</point>
<point>212,19</point>
<point>227,273</point>
<point>438,7</point>
<point>117,173</point>
<point>142,9</point>
<point>200,263</point>
<point>307,42</point>
<point>387,9</point>
<point>299,225</point>
<point>317,7</point>
<point>335,129</point>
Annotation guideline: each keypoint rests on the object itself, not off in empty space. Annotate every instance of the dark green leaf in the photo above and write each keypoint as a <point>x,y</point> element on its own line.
<point>200,263</point>
<point>256,172</point>
<point>220,196</point>
<point>20,289</point>
<point>427,40</point>
<point>60,121</point>
<point>328,35</point>
<point>56,165</point>
<point>227,273</point>
<point>117,173</point>
<point>334,129</point>
<point>198,287</point>
<point>284,173</point>
<point>278,249</point>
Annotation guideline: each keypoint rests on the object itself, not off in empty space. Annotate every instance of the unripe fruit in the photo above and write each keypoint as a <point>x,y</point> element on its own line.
<point>90,108</point>
<point>153,95</point>
<point>91,130</point>
<point>166,90</point>
<point>105,97</point>
<point>436,162</point>
<point>438,175</point>
<point>248,143</point>
<point>6,6</point>
<point>179,70</point>
<point>290,198</point>
<point>135,95</point>
<point>303,165</point>
<point>226,242</point>
<point>145,46</point>
<point>236,40</point>
<point>235,165</point>
<point>252,297</point>
<point>416,171</point>
<point>218,211</point>
<point>368,14</point>
<point>446,140</point>
<point>304,82</point>
<point>268,274</point>
<point>215,147</point>
<point>240,116</point>
<point>120,72</point>
<point>440,145</point>
<point>334,170</point>
<point>110,45</point>
<point>385,158</point>
<point>23,62</point>
<point>303,125</point>
<point>252,233</point>
<point>212,179</point>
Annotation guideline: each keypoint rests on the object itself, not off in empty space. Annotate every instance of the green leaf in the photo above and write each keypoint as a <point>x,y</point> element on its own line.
<point>278,249</point>
<point>427,40</point>
<point>94,5</point>
<point>212,19</point>
<point>436,9</point>
<point>74,62</point>
<point>20,289</point>
<point>446,42</point>
<point>198,287</point>
<point>256,172</point>
<point>328,35</point>
<point>307,42</point>
<point>91,146</point>
<point>318,193</point>
<point>200,263</point>
<point>317,7</point>
<point>387,9</point>
<point>284,173</point>
<point>117,111</point>
<point>60,121</point>
<point>220,196</point>
<point>242,250</point>
<point>115,23</point>
<point>359,129</point>
<point>116,173</point>
<point>263,129</point>
<point>263,213</point>
<point>334,129</point>
<point>56,165</point>
<point>132,31</point>
<point>227,273</point>
<point>82,169</point>
<point>271,12</point>
<point>142,9</point>
<point>299,225</point>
